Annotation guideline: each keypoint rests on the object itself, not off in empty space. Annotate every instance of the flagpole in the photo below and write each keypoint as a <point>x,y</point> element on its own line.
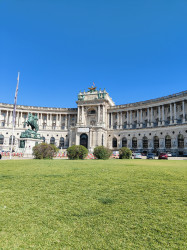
<point>14,115</point>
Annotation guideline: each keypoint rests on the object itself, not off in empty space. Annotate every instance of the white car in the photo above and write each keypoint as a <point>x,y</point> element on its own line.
<point>137,156</point>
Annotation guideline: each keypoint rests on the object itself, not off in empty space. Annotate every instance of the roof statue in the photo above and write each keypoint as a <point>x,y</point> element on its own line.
<point>93,88</point>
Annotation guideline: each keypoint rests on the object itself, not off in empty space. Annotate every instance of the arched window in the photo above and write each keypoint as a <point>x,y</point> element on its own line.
<point>124,142</point>
<point>61,142</point>
<point>145,142</point>
<point>1,139</point>
<point>134,142</point>
<point>167,141</point>
<point>10,140</point>
<point>114,143</point>
<point>156,142</point>
<point>180,141</point>
<point>52,140</point>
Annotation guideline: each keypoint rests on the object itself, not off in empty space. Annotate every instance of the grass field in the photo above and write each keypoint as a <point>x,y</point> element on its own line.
<point>92,204</point>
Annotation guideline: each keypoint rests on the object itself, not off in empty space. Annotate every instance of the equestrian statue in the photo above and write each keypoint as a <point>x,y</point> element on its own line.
<point>31,133</point>
<point>32,121</point>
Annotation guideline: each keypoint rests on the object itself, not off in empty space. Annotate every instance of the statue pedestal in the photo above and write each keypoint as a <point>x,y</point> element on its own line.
<point>27,146</point>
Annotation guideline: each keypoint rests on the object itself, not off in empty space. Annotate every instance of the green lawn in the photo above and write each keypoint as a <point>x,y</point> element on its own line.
<point>92,204</point>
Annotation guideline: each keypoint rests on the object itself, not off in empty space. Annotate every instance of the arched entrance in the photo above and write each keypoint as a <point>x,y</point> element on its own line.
<point>84,140</point>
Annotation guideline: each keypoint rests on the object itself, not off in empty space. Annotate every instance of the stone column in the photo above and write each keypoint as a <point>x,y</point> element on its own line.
<point>171,115</point>
<point>108,122</point>
<point>90,140</point>
<point>59,119</point>
<point>78,113</point>
<point>141,119</point>
<point>152,117</point>
<point>161,144</point>
<point>47,121</point>
<point>41,120</point>
<point>21,120</point>
<point>130,118</point>
<point>17,119</point>
<point>6,121</point>
<point>121,121</point>
<point>148,118</point>
<point>183,112</point>
<point>98,114</point>
<point>129,143</point>
<point>137,118</point>
<point>60,122</point>
<point>175,113</point>
<point>163,115</point>
<point>139,144</point>
<point>69,121</point>
<point>50,121</point>
<point>11,118</point>
<point>83,117</point>
<point>112,120</point>
<point>117,120</point>
<point>159,116</point>
<point>127,119</point>
<point>66,121</point>
<point>103,121</point>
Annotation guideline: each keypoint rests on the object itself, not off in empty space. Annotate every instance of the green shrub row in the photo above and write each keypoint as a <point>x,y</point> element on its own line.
<point>76,152</point>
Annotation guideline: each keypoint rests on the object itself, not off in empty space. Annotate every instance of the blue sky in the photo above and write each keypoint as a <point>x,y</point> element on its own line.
<point>136,49</point>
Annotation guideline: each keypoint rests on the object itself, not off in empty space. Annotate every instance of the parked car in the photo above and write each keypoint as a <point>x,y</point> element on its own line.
<point>150,156</point>
<point>137,156</point>
<point>169,154</point>
<point>163,156</point>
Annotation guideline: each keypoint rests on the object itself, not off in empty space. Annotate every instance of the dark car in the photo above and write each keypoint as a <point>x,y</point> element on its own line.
<point>150,156</point>
<point>163,156</point>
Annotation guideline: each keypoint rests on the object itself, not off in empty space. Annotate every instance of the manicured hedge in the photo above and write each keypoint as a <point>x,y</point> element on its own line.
<point>125,153</point>
<point>102,152</point>
<point>44,151</point>
<point>77,152</point>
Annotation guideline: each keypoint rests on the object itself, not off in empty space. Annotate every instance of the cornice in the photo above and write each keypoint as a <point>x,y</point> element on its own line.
<point>37,108</point>
<point>138,105</point>
<point>168,99</point>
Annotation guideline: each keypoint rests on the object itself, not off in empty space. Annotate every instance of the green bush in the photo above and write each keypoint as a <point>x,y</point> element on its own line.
<point>77,152</point>
<point>102,152</point>
<point>44,151</point>
<point>125,153</point>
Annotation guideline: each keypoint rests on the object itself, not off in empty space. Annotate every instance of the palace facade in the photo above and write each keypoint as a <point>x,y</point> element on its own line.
<point>157,125</point>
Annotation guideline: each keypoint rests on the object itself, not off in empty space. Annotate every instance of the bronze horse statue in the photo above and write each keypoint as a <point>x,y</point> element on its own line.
<point>32,121</point>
